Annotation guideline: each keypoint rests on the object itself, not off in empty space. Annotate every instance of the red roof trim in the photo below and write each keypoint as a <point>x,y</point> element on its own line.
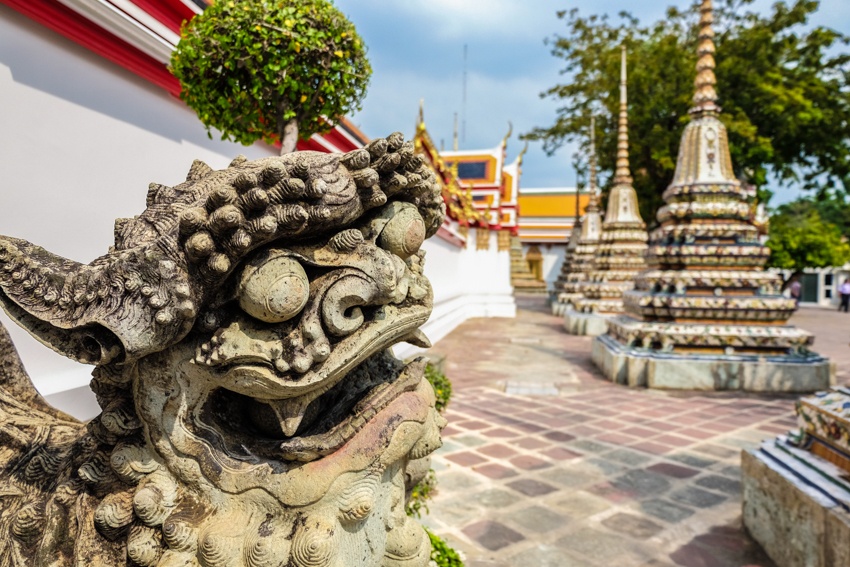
<point>311,145</point>
<point>78,29</point>
<point>170,14</point>
<point>339,140</point>
<point>353,130</point>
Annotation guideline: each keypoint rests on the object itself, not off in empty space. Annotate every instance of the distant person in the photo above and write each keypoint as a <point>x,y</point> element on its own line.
<point>796,288</point>
<point>844,291</point>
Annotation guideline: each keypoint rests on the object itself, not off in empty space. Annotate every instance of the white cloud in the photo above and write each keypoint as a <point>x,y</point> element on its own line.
<point>463,19</point>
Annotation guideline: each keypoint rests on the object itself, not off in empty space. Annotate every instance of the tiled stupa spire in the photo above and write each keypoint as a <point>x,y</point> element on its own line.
<point>622,244</point>
<point>706,290</point>
<point>583,242</point>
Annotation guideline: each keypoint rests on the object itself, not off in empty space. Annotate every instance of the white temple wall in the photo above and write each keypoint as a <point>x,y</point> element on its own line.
<point>820,285</point>
<point>80,140</point>
<point>467,283</point>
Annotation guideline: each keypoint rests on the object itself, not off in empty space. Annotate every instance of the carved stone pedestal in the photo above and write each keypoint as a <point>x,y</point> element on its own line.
<point>635,366</point>
<point>589,324</point>
<point>797,516</point>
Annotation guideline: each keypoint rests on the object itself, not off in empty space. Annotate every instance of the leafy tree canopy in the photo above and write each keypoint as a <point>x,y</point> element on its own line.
<point>800,238</point>
<point>784,88</point>
<point>271,69</point>
<point>832,207</point>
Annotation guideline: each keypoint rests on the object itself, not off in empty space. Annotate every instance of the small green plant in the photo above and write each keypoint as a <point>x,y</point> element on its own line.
<point>420,494</point>
<point>442,386</point>
<point>441,554</point>
<point>274,70</point>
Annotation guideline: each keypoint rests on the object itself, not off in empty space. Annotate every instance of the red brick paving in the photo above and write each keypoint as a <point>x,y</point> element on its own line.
<point>466,459</point>
<point>494,470</point>
<point>529,463</point>
<point>497,450</point>
<point>560,454</point>
<point>534,449</point>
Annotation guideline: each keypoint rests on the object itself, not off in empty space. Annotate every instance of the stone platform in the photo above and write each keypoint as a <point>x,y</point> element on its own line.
<point>799,515</point>
<point>588,324</point>
<point>671,371</point>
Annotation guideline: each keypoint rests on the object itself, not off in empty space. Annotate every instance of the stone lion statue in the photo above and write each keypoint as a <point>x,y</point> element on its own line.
<point>251,412</point>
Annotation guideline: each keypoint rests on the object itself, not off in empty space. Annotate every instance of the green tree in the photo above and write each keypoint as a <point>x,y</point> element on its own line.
<point>800,238</point>
<point>832,207</point>
<point>784,88</point>
<point>271,69</point>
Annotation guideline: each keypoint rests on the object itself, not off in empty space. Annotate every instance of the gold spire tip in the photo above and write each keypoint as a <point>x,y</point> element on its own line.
<point>623,174</point>
<point>705,94</point>
<point>508,135</point>
<point>592,181</point>
<point>522,153</point>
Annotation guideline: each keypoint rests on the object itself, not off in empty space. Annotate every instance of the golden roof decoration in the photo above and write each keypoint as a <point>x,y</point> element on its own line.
<point>459,202</point>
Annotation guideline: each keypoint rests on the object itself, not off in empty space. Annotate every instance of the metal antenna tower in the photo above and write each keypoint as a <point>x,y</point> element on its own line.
<point>463,105</point>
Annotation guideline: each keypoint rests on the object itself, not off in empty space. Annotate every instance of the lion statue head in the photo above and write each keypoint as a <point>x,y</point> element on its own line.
<point>252,413</point>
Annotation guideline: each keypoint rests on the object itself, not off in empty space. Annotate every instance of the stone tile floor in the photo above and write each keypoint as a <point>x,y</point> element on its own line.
<point>545,463</point>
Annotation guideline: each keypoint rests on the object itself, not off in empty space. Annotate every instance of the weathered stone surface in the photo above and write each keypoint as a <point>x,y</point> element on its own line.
<point>616,364</point>
<point>665,510</point>
<point>791,523</point>
<point>590,324</point>
<point>252,414</point>
<point>632,525</point>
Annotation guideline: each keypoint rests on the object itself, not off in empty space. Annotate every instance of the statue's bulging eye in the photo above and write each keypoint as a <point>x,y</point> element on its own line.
<point>404,233</point>
<point>275,291</point>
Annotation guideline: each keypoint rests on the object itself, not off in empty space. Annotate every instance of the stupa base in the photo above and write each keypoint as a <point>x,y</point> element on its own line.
<point>795,506</point>
<point>561,302</point>
<point>558,308</point>
<point>588,324</point>
<point>642,367</point>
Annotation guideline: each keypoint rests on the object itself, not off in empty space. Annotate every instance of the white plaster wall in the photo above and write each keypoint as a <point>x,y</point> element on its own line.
<point>467,283</point>
<point>553,259</point>
<point>80,139</point>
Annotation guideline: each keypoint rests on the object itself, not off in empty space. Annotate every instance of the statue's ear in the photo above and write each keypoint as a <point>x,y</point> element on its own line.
<point>92,344</point>
<point>120,307</point>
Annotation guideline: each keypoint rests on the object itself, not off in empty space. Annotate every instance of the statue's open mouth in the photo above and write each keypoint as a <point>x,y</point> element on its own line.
<point>301,417</point>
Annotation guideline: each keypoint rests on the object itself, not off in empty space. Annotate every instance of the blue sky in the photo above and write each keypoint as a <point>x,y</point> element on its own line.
<point>416,50</point>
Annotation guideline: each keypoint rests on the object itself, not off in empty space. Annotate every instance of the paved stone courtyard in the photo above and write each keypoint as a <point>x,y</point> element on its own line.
<point>545,463</point>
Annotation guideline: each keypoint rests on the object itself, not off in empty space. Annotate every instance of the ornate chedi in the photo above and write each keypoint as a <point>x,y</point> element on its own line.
<point>622,243</point>
<point>581,250</point>
<point>706,315</point>
<point>251,412</point>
